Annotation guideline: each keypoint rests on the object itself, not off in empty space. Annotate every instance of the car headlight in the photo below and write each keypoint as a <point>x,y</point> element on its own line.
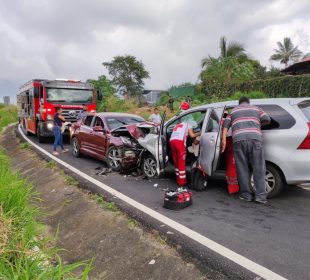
<point>50,126</point>
<point>126,140</point>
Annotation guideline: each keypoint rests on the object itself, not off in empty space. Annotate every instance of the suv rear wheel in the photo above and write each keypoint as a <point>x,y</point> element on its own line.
<point>274,181</point>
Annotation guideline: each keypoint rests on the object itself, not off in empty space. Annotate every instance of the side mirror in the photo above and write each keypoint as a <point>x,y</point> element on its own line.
<point>98,129</point>
<point>99,95</point>
<point>36,92</point>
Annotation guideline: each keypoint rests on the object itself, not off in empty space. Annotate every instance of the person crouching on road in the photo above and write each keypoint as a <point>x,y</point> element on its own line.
<point>178,149</point>
<point>246,121</point>
<point>231,170</point>
<point>58,120</point>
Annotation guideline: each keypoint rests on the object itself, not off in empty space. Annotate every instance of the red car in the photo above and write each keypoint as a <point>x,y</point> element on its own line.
<point>92,136</point>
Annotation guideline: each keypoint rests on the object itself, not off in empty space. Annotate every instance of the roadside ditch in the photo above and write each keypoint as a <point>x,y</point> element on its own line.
<point>90,228</point>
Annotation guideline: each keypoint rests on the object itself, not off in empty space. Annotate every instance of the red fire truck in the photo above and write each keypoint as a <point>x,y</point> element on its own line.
<point>37,99</point>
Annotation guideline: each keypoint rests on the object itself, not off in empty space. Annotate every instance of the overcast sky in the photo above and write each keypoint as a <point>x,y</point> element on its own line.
<point>71,38</point>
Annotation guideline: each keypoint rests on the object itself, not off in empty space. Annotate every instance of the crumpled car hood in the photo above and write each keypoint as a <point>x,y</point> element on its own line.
<point>141,133</point>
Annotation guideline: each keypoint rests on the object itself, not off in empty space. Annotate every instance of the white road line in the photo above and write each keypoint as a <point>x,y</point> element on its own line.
<point>216,247</point>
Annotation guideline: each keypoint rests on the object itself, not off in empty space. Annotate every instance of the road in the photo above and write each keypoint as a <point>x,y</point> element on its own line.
<point>276,236</point>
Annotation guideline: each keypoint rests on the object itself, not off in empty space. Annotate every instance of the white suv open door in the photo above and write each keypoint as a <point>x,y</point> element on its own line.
<point>210,140</point>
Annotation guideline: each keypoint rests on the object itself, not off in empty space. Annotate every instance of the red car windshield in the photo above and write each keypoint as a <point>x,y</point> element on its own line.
<point>115,122</point>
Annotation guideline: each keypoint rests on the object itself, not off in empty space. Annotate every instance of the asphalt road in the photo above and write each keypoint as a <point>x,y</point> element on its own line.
<point>276,236</point>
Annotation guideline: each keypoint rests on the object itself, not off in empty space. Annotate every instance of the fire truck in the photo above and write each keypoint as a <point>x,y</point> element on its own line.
<point>38,98</point>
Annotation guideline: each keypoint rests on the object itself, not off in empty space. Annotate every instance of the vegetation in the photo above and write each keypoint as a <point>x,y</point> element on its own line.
<point>286,86</point>
<point>105,204</point>
<point>286,52</point>
<point>104,85</point>
<point>7,115</point>
<point>128,75</point>
<point>25,254</point>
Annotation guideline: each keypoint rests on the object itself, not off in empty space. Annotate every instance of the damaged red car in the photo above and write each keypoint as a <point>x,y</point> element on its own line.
<point>94,136</point>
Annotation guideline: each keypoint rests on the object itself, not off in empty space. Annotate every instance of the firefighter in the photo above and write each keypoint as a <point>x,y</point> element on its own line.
<point>231,169</point>
<point>178,148</point>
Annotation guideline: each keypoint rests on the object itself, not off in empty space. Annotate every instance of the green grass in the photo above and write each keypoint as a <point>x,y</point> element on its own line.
<point>24,145</point>
<point>24,253</point>
<point>7,115</point>
<point>51,164</point>
<point>132,223</point>
<point>105,204</point>
<point>71,181</point>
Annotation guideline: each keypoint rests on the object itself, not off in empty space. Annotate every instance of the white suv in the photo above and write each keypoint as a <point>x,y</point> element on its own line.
<point>286,141</point>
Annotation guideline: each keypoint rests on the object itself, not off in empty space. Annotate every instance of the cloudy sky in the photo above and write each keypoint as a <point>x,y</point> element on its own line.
<point>71,38</point>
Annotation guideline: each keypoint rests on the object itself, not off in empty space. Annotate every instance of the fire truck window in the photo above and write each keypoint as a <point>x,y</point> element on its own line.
<point>88,120</point>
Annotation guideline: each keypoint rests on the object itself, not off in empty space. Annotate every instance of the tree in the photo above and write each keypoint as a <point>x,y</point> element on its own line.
<point>233,49</point>
<point>127,74</point>
<point>104,85</point>
<point>286,52</point>
<point>227,70</point>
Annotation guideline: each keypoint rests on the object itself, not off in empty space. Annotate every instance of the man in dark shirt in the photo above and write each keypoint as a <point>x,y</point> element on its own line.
<point>246,121</point>
<point>58,120</point>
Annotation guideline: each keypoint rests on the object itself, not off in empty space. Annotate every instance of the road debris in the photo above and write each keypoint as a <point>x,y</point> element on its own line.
<point>152,262</point>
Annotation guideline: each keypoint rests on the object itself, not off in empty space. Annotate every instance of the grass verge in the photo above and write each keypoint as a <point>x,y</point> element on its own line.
<point>25,254</point>
<point>7,115</point>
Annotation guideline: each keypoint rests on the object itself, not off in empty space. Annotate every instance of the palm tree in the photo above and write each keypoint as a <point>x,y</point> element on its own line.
<point>233,49</point>
<point>286,52</point>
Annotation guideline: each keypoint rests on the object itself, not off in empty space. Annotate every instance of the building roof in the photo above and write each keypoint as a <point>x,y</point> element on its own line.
<point>301,67</point>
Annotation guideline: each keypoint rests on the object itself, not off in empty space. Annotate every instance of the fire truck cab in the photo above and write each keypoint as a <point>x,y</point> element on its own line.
<point>38,98</point>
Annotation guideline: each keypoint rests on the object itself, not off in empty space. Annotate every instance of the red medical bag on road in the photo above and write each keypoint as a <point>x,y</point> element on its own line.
<point>179,199</point>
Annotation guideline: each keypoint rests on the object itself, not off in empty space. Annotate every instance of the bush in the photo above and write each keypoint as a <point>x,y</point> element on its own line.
<point>287,86</point>
<point>251,95</point>
<point>115,104</point>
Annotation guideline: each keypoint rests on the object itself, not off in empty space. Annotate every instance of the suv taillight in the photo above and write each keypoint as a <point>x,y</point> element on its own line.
<point>306,143</point>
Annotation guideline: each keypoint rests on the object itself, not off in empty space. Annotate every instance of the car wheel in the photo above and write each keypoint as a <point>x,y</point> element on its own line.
<point>149,166</point>
<point>274,181</point>
<point>114,158</point>
<point>75,148</point>
<point>198,181</point>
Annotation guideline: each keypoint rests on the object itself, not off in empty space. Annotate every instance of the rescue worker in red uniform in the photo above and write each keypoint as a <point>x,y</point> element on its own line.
<point>178,149</point>
<point>231,169</point>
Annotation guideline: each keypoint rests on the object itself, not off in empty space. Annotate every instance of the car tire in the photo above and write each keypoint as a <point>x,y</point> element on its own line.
<point>149,167</point>
<point>75,148</point>
<point>274,181</point>
<point>198,181</point>
<point>112,160</point>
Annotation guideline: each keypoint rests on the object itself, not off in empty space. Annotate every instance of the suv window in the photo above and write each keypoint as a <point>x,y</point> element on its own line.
<point>280,118</point>
<point>194,118</point>
<point>87,121</point>
<point>305,108</point>
<point>213,123</point>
